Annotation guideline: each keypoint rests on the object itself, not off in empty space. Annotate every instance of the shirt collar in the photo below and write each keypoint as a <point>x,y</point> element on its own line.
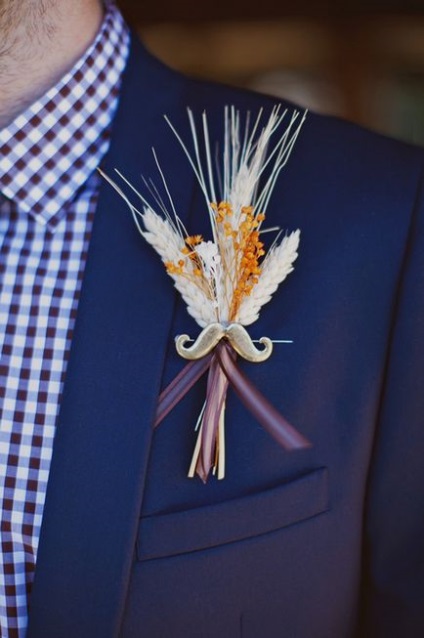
<point>48,152</point>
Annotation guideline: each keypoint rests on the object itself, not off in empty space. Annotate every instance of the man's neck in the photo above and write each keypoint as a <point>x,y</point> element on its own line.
<point>40,42</point>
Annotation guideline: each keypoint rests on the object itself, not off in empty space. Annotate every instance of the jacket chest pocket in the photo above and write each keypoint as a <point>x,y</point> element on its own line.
<point>234,520</point>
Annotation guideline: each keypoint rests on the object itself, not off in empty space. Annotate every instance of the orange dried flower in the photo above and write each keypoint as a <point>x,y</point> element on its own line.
<point>193,240</point>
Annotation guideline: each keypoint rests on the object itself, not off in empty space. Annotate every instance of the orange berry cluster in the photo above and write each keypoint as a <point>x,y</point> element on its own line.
<point>248,250</point>
<point>175,269</point>
<point>252,249</point>
<point>178,268</point>
<point>192,241</point>
<point>247,246</point>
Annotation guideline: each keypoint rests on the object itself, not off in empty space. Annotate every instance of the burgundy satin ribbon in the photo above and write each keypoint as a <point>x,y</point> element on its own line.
<point>274,422</point>
<point>282,431</point>
<point>179,387</point>
<point>216,392</point>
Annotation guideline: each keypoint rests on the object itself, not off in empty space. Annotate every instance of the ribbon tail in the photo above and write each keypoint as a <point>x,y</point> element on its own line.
<point>267,415</point>
<point>179,387</point>
<point>216,393</point>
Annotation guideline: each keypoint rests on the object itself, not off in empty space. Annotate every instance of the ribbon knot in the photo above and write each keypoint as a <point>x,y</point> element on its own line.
<point>215,350</point>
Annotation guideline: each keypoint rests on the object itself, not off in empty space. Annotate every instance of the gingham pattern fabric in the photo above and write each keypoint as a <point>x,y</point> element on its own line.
<point>48,193</point>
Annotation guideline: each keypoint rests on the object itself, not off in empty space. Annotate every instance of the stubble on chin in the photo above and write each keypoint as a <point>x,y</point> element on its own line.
<point>22,22</point>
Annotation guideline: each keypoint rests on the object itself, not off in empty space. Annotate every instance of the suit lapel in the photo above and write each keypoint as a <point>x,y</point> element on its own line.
<point>113,379</point>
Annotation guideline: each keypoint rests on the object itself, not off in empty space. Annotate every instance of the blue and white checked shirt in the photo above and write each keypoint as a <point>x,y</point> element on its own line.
<point>48,194</point>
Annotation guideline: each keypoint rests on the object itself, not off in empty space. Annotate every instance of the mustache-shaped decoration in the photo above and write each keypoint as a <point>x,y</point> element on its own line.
<point>235,334</point>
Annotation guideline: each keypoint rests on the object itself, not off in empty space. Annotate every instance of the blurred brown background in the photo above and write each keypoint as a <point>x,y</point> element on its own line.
<point>362,60</point>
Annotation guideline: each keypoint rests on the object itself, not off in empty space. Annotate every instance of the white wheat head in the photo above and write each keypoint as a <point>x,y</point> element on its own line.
<point>161,236</point>
<point>168,243</point>
<point>275,268</point>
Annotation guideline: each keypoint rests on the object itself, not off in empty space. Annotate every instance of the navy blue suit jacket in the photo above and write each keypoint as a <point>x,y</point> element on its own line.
<point>323,543</point>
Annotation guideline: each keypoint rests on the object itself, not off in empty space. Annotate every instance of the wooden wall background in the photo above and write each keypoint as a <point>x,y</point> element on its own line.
<point>362,59</point>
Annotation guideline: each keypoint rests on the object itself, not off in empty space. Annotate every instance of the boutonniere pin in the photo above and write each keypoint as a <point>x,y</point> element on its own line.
<point>227,278</point>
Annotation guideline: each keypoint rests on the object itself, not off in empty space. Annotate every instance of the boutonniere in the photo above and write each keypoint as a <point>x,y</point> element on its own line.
<point>225,279</point>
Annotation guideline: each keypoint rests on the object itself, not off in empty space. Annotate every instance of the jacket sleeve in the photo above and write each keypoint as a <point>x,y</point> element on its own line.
<point>392,604</point>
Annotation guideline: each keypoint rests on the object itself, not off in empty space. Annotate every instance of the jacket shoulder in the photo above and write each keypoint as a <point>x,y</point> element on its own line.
<point>328,134</point>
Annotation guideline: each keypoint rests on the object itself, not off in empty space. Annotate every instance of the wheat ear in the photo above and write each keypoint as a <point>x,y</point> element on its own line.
<point>159,233</point>
<point>277,265</point>
<point>168,243</point>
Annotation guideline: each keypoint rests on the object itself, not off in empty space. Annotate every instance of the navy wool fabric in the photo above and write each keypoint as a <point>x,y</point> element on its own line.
<point>322,543</point>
